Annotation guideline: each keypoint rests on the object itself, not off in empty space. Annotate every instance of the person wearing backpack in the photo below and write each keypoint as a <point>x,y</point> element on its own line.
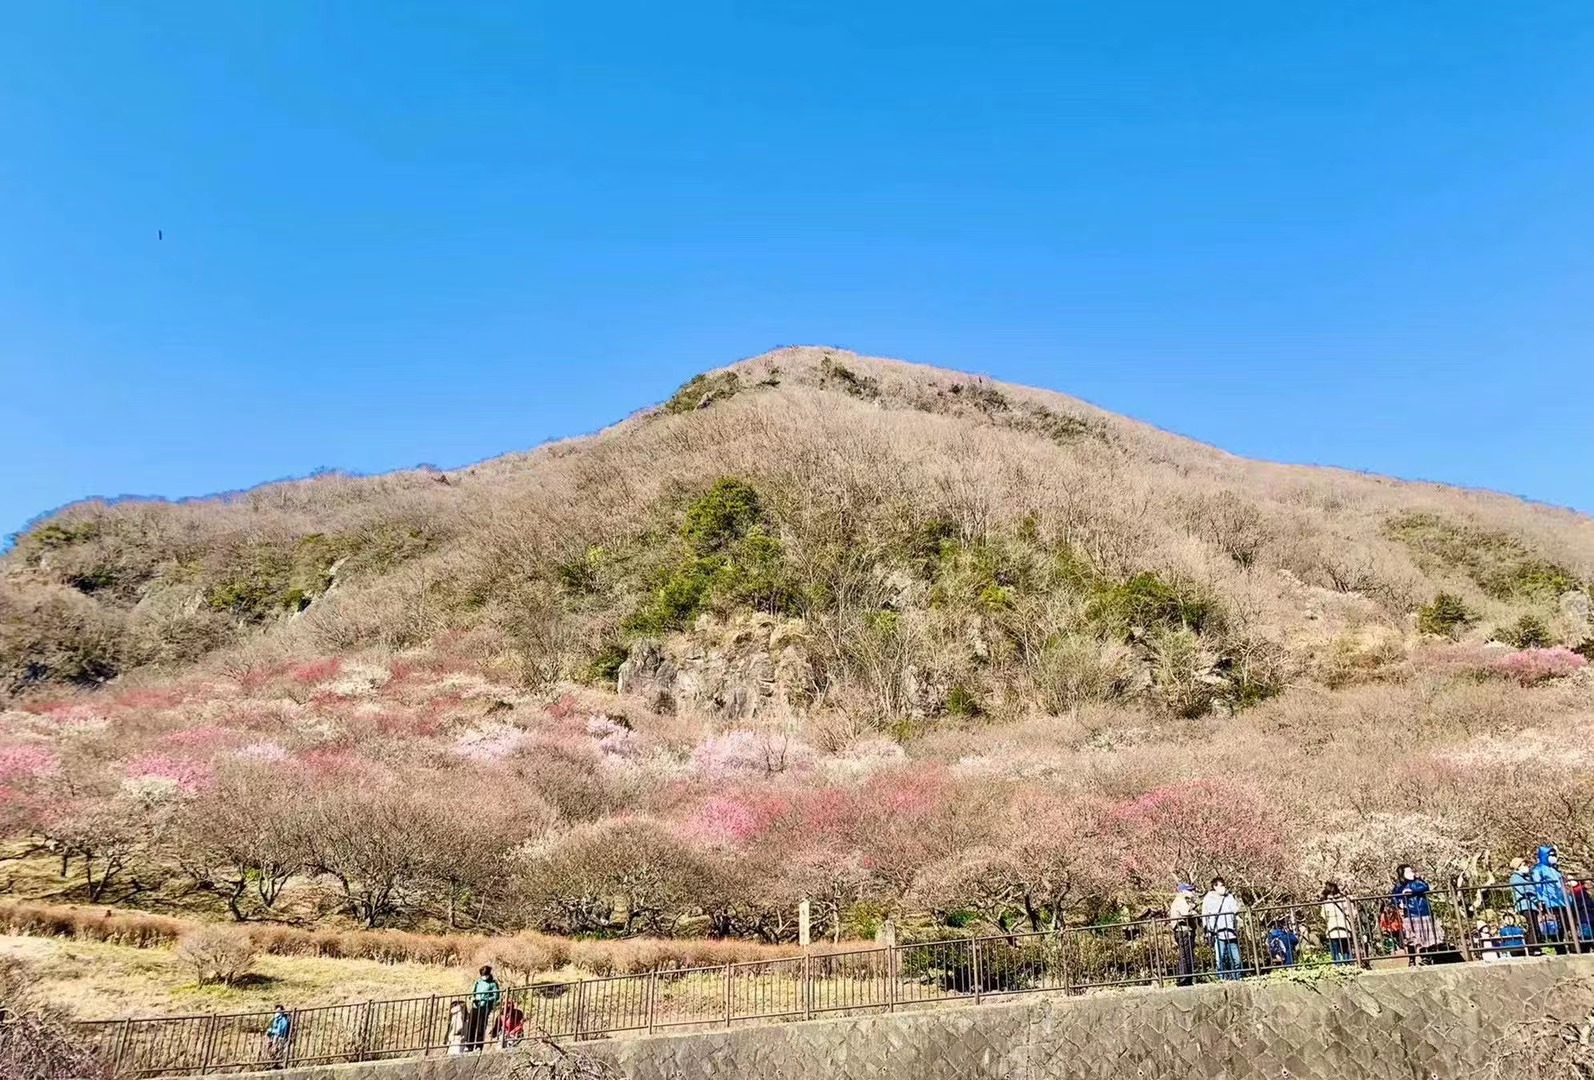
<point>1281,943</point>
<point>483,999</point>
<point>1220,918</point>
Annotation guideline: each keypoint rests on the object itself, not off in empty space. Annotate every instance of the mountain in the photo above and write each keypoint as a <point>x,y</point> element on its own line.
<point>823,625</point>
<point>1018,548</point>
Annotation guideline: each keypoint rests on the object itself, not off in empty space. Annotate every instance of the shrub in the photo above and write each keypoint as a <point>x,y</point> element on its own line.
<point>1147,603</point>
<point>1499,563</point>
<point>1446,615</point>
<point>524,955</point>
<point>217,955</point>
<point>605,667</point>
<point>1362,654</point>
<point>1074,669</point>
<point>580,576</point>
<point>701,390</point>
<point>1184,674</point>
<point>36,1043</point>
<point>1528,632</point>
<point>731,559</point>
<point>674,602</point>
<point>88,924</point>
<point>1060,428</point>
<point>982,395</point>
<point>57,635</point>
<point>1531,666</point>
<point>721,515</point>
<point>849,381</point>
<point>961,702</point>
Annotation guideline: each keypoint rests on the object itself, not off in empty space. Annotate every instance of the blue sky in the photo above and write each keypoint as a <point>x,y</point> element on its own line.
<point>1350,233</point>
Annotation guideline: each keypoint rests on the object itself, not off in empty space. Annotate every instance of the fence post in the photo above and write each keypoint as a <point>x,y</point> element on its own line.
<point>431,1026</point>
<point>122,1044</point>
<point>727,995</point>
<point>210,1045</point>
<point>1462,919</point>
<point>888,932</point>
<point>1355,920</point>
<point>893,976</point>
<point>581,1010</point>
<point>808,986</point>
<point>1062,958</point>
<point>365,1030</point>
<point>293,1034</point>
<point>653,996</point>
<point>974,966</point>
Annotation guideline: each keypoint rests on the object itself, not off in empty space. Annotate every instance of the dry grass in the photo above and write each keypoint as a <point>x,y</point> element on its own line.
<point>100,981</point>
<point>528,954</point>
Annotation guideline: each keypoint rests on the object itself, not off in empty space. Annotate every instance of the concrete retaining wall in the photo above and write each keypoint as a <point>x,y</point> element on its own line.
<point>1441,1022</point>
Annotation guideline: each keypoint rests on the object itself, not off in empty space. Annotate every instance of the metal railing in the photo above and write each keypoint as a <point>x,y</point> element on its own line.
<point>1460,926</point>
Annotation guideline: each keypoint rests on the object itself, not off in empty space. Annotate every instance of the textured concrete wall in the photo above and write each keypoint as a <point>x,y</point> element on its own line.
<point>1436,1022</point>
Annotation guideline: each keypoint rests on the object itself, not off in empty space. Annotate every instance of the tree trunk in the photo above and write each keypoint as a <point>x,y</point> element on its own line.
<point>234,902</point>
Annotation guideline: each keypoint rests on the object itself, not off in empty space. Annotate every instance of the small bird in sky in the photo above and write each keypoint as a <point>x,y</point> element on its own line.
<point>159,235</point>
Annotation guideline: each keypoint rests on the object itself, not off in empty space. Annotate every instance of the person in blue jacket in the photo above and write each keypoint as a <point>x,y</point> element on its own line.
<point>277,1034</point>
<point>1525,900</point>
<point>1419,930</point>
<point>1281,943</point>
<point>1549,890</point>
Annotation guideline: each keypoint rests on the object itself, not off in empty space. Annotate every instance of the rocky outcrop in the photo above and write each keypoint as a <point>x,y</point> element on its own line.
<point>732,672</point>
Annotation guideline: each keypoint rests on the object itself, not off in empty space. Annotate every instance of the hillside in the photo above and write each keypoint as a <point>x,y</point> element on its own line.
<point>890,637</point>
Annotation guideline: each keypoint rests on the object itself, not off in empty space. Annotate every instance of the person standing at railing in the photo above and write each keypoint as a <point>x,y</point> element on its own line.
<point>483,999</point>
<point>278,1034</point>
<point>1182,916</point>
<point>1513,939</point>
<point>1581,903</point>
<point>1550,891</point>
<point>1420,931</point>
<point>1220,918</point>
<point>1336,919</point>
<point>458,1028</point>
<point>1525,898</point>
<point>1485,941</point>
<point>1281,943</point>
<point>510,1027</point>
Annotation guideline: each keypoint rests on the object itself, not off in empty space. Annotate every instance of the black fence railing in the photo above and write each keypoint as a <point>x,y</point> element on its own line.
<point>1490,924</point>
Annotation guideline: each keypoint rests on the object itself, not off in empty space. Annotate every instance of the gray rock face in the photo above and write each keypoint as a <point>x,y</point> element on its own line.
<point>732,672</point>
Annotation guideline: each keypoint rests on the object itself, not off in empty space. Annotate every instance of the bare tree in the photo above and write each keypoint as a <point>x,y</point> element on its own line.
<point>366,840</point>
<point>628,874</point>
<point>245,837</point>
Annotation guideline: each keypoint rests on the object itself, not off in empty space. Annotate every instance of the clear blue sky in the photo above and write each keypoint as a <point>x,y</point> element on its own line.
<point>1353,233</point>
